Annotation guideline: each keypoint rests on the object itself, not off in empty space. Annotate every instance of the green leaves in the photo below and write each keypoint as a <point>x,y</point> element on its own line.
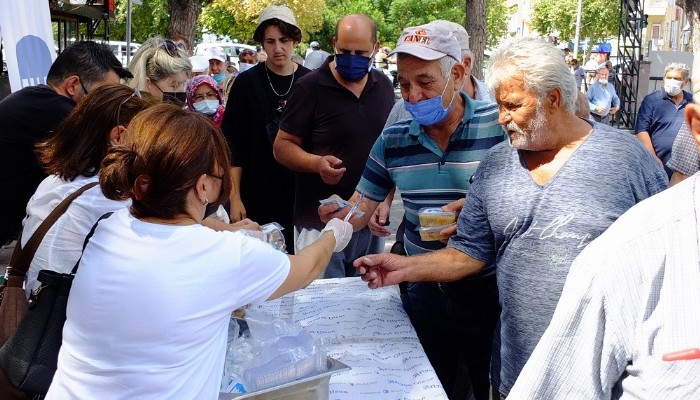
<point>599,18</point>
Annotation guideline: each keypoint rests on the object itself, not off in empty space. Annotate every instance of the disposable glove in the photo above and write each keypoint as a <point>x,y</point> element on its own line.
<point>341,230</point>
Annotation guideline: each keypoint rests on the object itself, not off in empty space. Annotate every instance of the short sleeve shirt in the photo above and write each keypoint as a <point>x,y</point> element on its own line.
<point>406,157</point>
<point>661,118</point>
<point>331,120</point>
<point>533,232</point>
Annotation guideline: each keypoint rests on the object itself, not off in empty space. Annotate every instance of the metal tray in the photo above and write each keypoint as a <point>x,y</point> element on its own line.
<point>312,388</point>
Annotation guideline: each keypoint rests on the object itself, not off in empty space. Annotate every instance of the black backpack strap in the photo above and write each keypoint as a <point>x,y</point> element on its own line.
<point>87,239</point>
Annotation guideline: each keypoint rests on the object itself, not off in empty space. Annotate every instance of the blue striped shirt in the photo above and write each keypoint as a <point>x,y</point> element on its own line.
<point>406,157</point>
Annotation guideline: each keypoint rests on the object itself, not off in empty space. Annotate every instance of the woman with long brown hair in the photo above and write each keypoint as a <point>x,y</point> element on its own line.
<point>72,157</point>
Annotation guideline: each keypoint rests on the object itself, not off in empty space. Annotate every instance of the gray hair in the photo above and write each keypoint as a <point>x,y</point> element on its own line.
<point>467,53</point>
<point>446,65</point>
<point>541,65</point>
<point>678,67</point>
<point>152,61</point>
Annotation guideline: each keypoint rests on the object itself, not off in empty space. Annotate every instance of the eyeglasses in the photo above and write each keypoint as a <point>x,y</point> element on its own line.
<point>219,177</point>
<point>82,85</point>
<point>181,46</point>
<point>119,109</point>
<point>171,48</point>
<point>209,96</point>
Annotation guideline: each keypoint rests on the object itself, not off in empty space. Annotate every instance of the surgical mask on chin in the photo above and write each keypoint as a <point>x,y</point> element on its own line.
<point>672,86</point>
<point>244,66</point>
<point>207,107</point>
<point>219,78</point>
<point>352,67</point>
<point>429,111</point>
<point>176,98</point>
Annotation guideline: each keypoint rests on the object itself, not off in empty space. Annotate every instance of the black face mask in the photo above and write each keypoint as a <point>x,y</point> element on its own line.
<point>176,98</point>
<point>210,209</point>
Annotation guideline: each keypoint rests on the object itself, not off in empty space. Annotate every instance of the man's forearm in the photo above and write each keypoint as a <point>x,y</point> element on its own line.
<point>645,139</point>
<point>236,173</point>
<point>292,156</point>
<point>677,177</point>
<point>444,265</point>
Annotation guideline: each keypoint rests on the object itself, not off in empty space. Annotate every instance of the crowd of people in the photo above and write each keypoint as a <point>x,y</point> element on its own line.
<point>571,271</point>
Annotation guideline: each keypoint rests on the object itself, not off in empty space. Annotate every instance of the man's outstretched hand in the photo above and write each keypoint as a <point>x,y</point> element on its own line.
<point>380,270</point>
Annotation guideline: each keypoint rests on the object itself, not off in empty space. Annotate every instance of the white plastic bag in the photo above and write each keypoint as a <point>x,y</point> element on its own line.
<point>264,352</point>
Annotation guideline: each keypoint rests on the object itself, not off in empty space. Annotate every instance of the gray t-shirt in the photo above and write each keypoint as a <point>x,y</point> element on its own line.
<point>533,232</point>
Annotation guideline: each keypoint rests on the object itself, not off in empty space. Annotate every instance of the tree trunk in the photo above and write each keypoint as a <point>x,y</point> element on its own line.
<point>476,27</point>
<point>183,18</point>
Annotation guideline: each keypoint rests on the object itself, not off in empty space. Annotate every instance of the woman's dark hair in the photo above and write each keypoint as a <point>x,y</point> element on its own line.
<point>166,149</point>
<point>82,139</point>
<point>287,30</point>
<point>89,60</point>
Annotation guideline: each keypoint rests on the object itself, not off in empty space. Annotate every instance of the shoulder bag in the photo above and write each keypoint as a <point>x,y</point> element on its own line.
<point>13,302</point>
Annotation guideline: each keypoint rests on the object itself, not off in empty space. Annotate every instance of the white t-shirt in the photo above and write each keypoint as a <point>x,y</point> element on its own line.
<point>63,243</point>
<point>148,312</point>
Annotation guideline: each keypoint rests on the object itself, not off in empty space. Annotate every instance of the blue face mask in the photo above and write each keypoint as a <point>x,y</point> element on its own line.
<point>429,111</point>
<point>352,67</point>
<point>219,78</point>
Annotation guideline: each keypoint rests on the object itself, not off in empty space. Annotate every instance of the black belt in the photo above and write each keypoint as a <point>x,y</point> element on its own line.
<point>459,287</point>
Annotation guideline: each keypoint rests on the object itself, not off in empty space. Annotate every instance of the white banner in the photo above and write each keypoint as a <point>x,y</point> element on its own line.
<point>28,41</point>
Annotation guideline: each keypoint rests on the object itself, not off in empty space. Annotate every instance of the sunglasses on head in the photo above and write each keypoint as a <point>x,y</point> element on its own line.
<point>173,48</point>
<point>119,109</point>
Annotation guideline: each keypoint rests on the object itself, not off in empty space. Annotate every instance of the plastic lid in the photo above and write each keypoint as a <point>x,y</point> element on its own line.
<point>435,216</point>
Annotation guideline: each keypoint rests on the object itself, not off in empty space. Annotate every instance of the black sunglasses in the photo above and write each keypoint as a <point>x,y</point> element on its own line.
<point>171,48</point>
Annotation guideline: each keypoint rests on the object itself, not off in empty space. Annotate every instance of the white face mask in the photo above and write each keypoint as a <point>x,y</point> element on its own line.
<point>672,86</point>
<point>244,66</point>
<point>207,107</point>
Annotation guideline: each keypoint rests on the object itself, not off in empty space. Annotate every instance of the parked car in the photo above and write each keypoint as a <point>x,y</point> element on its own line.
<point>119,50</point>
<point>231,49</point>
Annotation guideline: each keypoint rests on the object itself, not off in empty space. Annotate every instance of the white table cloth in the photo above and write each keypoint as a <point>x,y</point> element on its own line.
<point>369,331</point>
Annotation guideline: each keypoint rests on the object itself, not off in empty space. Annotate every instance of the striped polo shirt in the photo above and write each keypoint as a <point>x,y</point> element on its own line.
<point>405,156</point>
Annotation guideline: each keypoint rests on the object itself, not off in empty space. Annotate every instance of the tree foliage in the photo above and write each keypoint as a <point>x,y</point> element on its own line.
<point>317,18</point>
<point>692,9</point>
<point>405,13</point>
<point>599,18</point>
<point>148,19</point>
<point>238,19</point>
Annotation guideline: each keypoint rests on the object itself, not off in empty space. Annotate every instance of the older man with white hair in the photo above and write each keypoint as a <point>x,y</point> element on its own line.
<point>627,325</point>
<point>535,203</point>
<point>661,113</point>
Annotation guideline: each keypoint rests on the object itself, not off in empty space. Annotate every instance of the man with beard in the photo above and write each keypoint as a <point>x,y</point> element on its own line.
<point>535,203</point>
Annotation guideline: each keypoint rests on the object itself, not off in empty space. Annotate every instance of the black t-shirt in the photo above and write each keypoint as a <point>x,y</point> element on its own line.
<point>267,188</point>
<point>26,117</point>
<point>331,120</point>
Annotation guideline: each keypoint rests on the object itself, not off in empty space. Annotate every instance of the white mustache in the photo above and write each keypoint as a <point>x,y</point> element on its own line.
<point>512,126</point>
